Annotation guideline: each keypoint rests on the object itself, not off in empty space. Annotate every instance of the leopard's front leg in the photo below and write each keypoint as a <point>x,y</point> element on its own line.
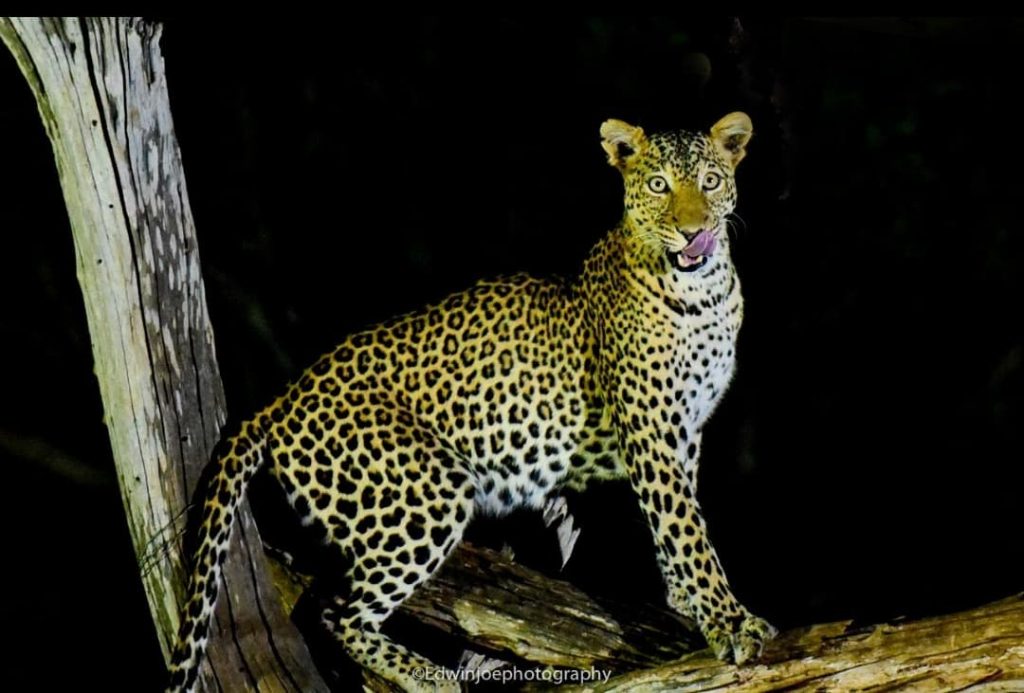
<point>697,586</point>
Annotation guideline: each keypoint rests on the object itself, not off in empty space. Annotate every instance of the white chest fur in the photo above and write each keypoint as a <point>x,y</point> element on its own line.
<point>705,355</point>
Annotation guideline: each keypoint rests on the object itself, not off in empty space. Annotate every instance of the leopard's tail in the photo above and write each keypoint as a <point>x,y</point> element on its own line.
<point>226,477</point>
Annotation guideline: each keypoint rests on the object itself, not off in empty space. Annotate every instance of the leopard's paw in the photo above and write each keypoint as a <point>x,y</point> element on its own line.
<point>741,640</point>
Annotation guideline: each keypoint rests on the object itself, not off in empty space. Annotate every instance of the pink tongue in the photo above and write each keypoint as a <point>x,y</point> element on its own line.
<point>702,244</point>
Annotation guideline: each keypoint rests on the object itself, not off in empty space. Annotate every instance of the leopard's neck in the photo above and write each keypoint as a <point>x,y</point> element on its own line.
<point>620,265</point>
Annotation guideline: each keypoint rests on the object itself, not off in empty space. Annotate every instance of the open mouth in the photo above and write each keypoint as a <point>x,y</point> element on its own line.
<point>696,253</point>
<point>685,263</point>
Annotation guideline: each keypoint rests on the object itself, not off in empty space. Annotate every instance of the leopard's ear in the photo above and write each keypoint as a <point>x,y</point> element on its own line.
<point>622,142</point>
<point>731,134</point>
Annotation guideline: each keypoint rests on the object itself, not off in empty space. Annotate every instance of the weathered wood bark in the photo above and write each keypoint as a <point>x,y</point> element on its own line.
<point>505,609</point>
<point>102,95</point>
<point>978,649</point>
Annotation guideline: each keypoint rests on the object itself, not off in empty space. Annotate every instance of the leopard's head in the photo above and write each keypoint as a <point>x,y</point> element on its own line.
<point>680,186</point>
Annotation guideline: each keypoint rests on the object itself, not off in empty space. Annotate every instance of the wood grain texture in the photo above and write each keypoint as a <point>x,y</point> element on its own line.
<point>103,98</point>
<point>979,649</point>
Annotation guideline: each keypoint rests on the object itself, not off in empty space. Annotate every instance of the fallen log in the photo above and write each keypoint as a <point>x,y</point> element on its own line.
<point>534,622</point>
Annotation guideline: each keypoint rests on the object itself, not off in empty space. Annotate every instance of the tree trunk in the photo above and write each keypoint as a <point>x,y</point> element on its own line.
<point>102,95</point>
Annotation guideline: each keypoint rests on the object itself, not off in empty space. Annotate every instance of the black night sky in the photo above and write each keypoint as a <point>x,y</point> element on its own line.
<point>866,462</point>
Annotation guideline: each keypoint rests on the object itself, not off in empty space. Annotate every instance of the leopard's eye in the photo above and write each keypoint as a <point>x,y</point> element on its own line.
<point>712,181</point>
<point>658,185</point>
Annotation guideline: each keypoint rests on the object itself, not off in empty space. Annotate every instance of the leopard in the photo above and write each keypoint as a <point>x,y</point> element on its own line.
<point>498,397</point>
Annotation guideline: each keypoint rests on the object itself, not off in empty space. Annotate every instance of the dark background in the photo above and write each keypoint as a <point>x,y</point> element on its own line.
<point>866,462</point>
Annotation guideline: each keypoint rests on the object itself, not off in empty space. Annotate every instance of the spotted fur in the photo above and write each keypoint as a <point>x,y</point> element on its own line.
<point>498,396</point>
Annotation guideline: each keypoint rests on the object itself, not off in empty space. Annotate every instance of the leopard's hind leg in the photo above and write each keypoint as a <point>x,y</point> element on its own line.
<point>396,518</point>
